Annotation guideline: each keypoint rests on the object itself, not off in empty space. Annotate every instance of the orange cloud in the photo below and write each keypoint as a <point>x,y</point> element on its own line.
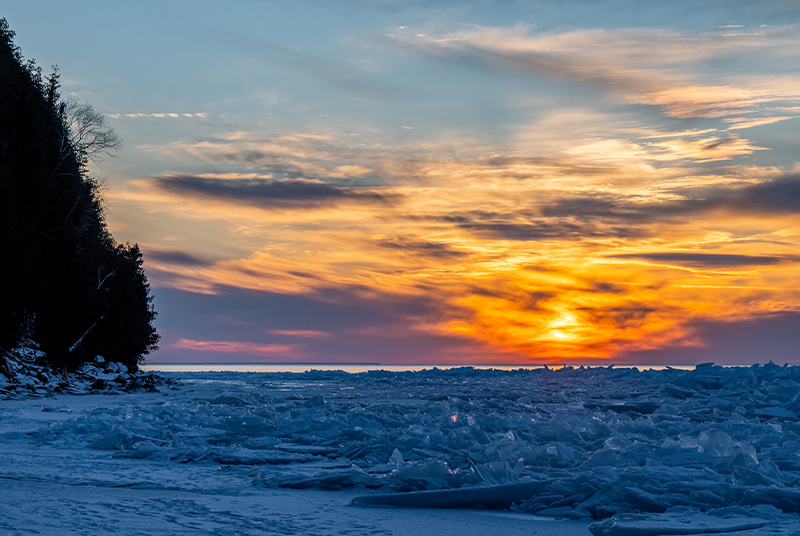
<point>584,232</point>
<point>235,347</point>
<point>745,122</point>
<point>304,333</point>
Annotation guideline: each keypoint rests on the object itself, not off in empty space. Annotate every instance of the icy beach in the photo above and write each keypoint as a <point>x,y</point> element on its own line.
<point>603,451</point>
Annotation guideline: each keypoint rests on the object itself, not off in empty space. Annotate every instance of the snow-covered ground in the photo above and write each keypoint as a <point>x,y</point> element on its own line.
<point>616,452</point>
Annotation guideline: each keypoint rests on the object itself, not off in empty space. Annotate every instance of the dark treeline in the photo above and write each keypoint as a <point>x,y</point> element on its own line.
<point>64,282</point>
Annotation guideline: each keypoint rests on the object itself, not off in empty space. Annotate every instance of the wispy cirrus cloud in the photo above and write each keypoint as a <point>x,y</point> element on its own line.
<point>657,67</point>
<point>313,155</point>
<point>745,122</point>
<point>160,115</point>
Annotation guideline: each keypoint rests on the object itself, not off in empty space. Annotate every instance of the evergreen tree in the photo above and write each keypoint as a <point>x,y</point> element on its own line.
<point>65,282</point>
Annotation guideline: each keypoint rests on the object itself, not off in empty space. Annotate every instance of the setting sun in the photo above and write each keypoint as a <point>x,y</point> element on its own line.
<point>525,187</point>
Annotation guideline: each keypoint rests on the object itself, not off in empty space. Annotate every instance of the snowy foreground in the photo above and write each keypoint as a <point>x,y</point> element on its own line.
<point>600,451</point>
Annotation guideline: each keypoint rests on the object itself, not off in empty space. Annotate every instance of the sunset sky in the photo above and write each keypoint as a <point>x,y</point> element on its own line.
<point>448,182</point>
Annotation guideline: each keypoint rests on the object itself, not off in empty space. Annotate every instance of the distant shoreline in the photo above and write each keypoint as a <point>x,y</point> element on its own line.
<point>364,367</point>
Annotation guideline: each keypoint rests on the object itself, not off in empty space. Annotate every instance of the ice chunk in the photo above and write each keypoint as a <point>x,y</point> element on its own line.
<point>776,411</point>
<point>426,474</point>
<point>671,523</point>
<point>140,450</point>
<point>589,432</point>
<point>261,442</point>
<point>781,497</point>
<point>483,496</point>
<point>396,458</point>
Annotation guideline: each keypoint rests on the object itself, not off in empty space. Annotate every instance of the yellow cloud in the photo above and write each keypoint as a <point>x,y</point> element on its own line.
<point>585,232</point>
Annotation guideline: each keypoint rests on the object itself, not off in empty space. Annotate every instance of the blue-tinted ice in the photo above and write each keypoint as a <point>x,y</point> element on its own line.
<point>579,443</point>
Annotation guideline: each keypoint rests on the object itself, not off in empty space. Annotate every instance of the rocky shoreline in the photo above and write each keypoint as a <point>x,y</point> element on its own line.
<point>22,375</point>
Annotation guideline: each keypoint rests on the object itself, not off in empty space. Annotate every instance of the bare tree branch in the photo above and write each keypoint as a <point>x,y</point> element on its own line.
<point>85,333</point>
<point>101,281</point>
<point>88,133</point>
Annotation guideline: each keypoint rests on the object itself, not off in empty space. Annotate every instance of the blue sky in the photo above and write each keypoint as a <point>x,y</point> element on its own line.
<point>448,182</point>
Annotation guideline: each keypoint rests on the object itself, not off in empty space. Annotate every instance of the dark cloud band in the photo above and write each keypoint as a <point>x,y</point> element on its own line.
<point>710,260</point>
<point>287,193</point>
<point>420,247</point>
<point>174,256</point>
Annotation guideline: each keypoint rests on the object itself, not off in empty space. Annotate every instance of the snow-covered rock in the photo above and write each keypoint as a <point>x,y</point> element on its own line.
<point>23,375</point>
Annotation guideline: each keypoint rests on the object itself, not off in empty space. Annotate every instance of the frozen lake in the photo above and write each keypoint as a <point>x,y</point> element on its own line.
<point>709,450</point>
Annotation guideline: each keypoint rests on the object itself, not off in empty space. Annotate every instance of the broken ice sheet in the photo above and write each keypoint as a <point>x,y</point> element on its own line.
<point>593,443</point>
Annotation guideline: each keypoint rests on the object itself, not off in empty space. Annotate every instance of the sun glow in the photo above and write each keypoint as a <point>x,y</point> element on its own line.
<point>592,228</point>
